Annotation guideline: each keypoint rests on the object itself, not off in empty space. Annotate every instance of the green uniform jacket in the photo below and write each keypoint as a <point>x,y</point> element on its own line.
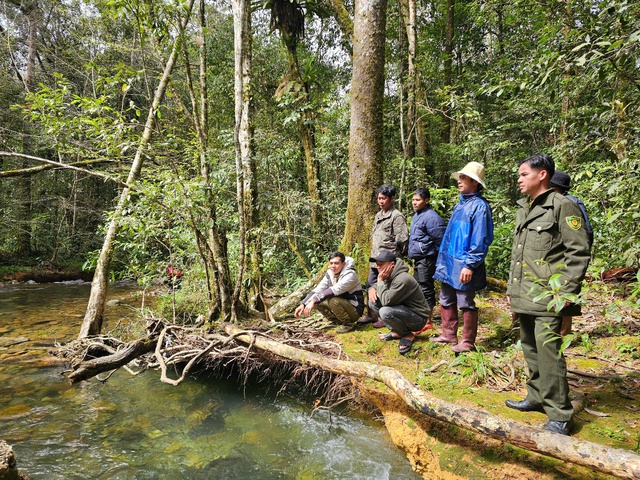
<point>550,238</point>
<point>402,289</point>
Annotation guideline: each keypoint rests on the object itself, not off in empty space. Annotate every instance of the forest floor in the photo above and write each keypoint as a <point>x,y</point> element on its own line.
<point>604,368</point>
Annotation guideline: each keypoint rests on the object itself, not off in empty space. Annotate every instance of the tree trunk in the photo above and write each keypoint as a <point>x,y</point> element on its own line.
<point>306,131</point>
<point>92,323</point>
<point>218,264</point>
<point>448,65</point>
<point>366,130</point>
<point>22,192</point>
<point>245,166</point>
<point>408,10</point>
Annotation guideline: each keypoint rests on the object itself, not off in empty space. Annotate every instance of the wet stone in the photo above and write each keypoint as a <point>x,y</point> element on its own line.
<point>9,341</point>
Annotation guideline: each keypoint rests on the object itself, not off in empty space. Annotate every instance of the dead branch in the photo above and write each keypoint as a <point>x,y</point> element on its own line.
<point>54,164</point>
<point>91,368</point>
<point>26,172</point>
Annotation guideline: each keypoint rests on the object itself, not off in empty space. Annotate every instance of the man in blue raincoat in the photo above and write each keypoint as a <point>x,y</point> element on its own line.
<point>460,265</point>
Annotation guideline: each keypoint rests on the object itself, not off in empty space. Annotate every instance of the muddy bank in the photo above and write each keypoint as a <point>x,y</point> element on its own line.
<point>439,451</point>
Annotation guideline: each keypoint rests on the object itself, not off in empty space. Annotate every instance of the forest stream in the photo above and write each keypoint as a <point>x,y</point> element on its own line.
<point>135,427</point>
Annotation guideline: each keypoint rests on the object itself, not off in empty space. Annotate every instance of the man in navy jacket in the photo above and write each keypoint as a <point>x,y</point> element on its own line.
<point>427,228</point>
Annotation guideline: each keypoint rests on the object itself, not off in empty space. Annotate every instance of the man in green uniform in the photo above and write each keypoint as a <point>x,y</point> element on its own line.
<point>550,238</point>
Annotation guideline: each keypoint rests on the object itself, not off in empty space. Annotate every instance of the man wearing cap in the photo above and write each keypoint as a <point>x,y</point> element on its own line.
<point>550,239</point>
<point>561,183</point>
<point>388,234</point>
<point>399,302</point>
<point>460,265</point>
<point>338,296</point>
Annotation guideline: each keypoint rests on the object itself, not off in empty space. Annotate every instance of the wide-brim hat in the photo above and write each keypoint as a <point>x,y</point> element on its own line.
<point>560,180</point>
<point>473,170</point>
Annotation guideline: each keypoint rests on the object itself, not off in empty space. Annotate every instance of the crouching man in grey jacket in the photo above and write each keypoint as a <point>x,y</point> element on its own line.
<point>338,296</point>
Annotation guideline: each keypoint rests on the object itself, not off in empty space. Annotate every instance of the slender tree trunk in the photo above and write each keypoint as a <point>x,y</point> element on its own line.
<point>216,241</point>
<point>31,10</point>
<point>306,131</point>
<point>408,9</point>
<point>409,81</point>
<point>448,65</point>
<point>245,166</point>
<point>92,323</point>
<point>366,130</point>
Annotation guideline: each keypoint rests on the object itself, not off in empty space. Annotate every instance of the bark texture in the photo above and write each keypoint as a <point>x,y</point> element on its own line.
<point>246,188</point>
<point>366,130</point>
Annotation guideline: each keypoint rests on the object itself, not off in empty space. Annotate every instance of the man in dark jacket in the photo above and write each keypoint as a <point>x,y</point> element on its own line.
<point>460,265</point>
<point>549,239</point>
<point>399,303</point>
<point>427,228</point>
<point>388,233</point>
<point>561,183</point>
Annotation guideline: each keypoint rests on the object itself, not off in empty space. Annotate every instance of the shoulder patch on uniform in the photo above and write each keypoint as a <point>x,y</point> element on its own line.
<point>574,222</point>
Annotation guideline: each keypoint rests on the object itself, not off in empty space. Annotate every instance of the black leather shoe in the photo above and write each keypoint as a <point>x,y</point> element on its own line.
<point>524,405</point>
<point>563,428</point>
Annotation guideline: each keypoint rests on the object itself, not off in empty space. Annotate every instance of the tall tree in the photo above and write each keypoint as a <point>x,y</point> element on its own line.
<point>288,17</point>
<point>249,248</point>
<point>448,64</point>
<point>366,130</point>
<point>92,322</point>
<point>212,245</point>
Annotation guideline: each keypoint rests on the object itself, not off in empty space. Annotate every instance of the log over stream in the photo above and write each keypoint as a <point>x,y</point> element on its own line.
<point>180,346</point>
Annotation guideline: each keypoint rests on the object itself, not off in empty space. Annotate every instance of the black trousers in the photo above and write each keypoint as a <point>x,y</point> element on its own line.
<point>423,271</point>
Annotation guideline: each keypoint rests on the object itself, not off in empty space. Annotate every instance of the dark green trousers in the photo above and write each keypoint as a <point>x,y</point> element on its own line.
<point>338,310</point>
<point>547,382</point>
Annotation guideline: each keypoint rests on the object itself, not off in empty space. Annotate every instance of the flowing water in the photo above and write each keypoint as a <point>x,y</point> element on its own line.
<point>135,427</point>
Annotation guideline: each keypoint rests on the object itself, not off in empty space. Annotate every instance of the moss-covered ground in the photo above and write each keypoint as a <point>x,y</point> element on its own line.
<point>604,371</point>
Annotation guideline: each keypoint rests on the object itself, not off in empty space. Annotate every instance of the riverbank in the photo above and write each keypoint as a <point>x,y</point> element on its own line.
<point>604,369</point>
<point>43,273</point>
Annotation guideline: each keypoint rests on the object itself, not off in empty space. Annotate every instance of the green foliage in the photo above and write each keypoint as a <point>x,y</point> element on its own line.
<point>499,256</point>
<point>551,290</point>
<point>586,343</point>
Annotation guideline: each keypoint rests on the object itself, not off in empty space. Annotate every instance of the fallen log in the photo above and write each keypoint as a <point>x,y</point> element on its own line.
<point>618,462</point>
<point>91,368</point>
